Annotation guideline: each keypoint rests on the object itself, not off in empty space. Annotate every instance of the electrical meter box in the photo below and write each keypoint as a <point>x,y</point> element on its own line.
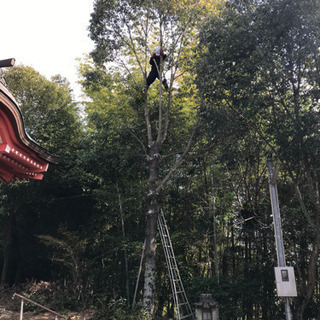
<point>286,282</point>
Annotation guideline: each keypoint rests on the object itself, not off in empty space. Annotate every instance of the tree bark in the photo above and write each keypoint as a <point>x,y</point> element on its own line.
<point>151,229</point>
<point>307,289</point>
<point>7,249</point>
<point>308,284</point>
<point>124,249</point>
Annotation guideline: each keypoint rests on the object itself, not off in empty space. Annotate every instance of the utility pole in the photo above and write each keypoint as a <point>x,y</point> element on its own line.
<point>277,226</point>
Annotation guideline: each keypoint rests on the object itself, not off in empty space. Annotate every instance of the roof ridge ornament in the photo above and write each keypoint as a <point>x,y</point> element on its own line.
<point>5,64</point>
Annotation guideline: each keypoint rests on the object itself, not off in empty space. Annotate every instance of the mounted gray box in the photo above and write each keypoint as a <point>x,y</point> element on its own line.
<point>286,282</point>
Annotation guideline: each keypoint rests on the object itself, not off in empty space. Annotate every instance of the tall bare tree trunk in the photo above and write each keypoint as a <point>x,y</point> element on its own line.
<point>156,137</point>
<point>307,289</point>
<point>151,229</point>
<point>124,249</point>
<point>308,284</point>
<point>7,249</point>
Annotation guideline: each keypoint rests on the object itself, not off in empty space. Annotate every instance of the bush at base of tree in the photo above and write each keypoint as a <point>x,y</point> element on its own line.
<point>117,310</point>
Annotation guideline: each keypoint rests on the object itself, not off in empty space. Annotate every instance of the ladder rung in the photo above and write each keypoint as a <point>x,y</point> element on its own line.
<point>184,297</point>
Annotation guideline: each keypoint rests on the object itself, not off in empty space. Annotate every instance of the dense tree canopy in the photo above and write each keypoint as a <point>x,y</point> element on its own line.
<point>51,119</point>
<point>243,84</point>
<point>258,73</point>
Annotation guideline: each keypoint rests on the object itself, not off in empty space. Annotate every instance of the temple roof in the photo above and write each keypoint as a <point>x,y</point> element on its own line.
<point>20,156</point>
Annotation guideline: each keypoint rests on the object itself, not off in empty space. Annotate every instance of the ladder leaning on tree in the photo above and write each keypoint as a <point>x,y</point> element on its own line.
<point>181,303</point>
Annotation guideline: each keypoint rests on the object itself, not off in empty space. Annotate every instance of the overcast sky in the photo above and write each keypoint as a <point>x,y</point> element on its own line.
<point>47,35</point>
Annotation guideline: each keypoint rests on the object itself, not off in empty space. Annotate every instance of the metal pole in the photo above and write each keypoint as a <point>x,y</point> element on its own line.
<point>21,310</point>
<point>277,226</point>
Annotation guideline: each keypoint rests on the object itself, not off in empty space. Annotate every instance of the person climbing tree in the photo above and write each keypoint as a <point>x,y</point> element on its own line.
<point>156,59</point>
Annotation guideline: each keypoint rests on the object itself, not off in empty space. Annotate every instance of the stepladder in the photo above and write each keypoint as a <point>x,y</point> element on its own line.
<point>181,304</point>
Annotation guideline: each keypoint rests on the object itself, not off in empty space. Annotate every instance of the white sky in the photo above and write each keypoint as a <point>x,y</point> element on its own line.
<point>47,35</point>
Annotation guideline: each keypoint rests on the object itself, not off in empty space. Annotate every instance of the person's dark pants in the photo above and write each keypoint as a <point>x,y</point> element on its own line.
<point>153,75</point>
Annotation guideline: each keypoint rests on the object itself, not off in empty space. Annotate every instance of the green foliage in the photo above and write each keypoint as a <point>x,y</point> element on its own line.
<point>256,75</point>
<point>40,207</point>
<point>49,113</point>
<point>117,310</point>
<point>233,294</point>
<point>70,252</point>
<point>257,92</point>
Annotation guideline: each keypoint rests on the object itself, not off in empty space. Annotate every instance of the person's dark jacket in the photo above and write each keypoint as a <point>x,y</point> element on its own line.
<point>155,60</point>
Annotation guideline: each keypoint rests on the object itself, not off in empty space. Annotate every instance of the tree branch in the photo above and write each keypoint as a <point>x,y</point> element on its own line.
<point>143,146</point>
<point>181,159</point>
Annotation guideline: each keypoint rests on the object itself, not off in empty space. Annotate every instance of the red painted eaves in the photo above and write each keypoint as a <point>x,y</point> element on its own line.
<point>20,156</point>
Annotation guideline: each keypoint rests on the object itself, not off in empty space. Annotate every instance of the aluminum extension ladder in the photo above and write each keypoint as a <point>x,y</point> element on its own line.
<point>181,303</point>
